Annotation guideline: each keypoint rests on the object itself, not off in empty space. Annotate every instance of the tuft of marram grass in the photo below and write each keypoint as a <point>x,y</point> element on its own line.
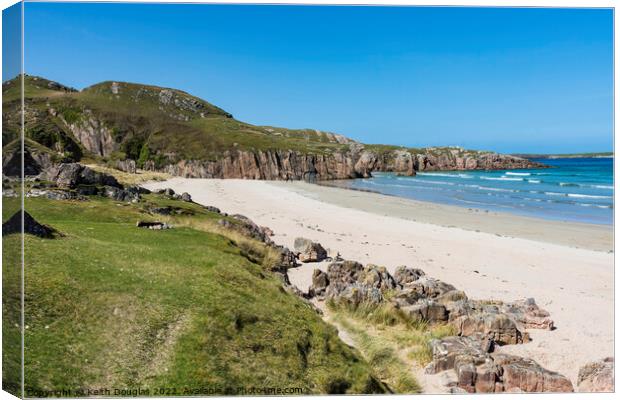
<point>392,342</point>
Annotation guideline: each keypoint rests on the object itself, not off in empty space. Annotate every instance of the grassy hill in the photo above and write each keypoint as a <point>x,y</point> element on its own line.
<point>110,305</point>
<point>113,121</point>
<point>145,122</point>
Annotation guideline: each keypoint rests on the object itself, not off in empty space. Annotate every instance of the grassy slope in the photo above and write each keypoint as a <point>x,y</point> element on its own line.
<point>111,305</point>
<point>137,116</point>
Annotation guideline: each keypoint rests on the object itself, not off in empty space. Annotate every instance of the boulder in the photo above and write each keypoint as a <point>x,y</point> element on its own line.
<point>465,370</point>
<point>520,374</point>
<point>377,277</point>
<point>286,260</point>
<point>477,371</point>
<point>212,209</point>
<point>320,281</point>
<point>156,225</point>
<point>245,227</point>
<point>426,310</point>
<point>70,175</point>
<point>267,231</point>
<point>30,226</point>
<point>309,251</point>
<point>342,274</point>
<point>405,275</point>
<point>356,294</point>
<point>492,325</point>
<point>128,166</point>
<point>186,197</point>
<point>447,350</point>
<point>597,376</point>
<point>429,287</point>
<point>167,210</point>
<point>127,195</point>
<point>527,313</point>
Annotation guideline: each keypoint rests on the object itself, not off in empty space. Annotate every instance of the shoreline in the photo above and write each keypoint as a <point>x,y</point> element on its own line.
<point>598,237</point>
<point>540,260</point>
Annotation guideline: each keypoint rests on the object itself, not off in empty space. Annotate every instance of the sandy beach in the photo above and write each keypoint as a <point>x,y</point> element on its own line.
<point>566,267</point>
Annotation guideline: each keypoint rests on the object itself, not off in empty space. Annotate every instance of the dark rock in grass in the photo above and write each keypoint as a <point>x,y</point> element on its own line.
<point>63,195</point>
<point>309,251</point>
<point>597,376</point>
<point>212,209</point>
<point>12,165</point>
<point>87,190</point>
<point>161,210</point>
<point>31,226</point>
<point>156,225</point>
<point>186,197</point>
<point>168,192</point>
<point>246,227</point>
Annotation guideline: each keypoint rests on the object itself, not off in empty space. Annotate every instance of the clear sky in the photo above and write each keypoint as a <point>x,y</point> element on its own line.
<point>510,80</point>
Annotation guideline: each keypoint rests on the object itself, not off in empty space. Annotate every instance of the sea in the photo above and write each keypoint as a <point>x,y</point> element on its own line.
<point>573,189</point>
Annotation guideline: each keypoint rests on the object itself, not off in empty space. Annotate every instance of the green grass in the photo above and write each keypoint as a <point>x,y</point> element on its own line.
<point>391,342</point>
<point>111,305</point>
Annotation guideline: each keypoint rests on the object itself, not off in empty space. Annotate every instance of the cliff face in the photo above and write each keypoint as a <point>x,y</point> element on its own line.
<point>290,165</point>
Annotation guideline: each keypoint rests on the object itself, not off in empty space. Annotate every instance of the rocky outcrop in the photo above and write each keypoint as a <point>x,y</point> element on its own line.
<point>355,163</point>
<point>597,376</point>
<point>245,227</point>
<point>71,175</point>
<point>93,134</point>
<point>128,166</point>
<point>481,326</point>
<point>478,370</point>
<point>34,160</point>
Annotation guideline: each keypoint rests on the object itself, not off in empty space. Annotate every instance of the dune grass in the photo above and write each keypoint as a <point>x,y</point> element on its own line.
<point>392,343</point>
<point>127,178</point>
<point>109,305</point>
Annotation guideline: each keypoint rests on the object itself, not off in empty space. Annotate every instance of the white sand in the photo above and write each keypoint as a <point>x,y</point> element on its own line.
<point>565,267</point>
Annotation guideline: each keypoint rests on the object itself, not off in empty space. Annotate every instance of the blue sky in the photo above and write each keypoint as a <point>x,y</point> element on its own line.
<point>510,80</point>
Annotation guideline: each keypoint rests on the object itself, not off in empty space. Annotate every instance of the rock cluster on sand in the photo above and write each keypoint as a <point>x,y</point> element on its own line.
<point>480,325</point>
<point>597,376</point>
<point>478,370</point>
<point>309,251</point>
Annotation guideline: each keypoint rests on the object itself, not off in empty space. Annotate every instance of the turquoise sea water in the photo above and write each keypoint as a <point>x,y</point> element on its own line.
<point>576,189</point>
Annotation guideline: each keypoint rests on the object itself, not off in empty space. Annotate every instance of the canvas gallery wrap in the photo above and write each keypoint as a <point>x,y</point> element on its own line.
<point>228,199</point>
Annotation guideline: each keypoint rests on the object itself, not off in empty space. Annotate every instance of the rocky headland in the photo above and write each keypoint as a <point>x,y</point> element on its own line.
<point>130,126</point>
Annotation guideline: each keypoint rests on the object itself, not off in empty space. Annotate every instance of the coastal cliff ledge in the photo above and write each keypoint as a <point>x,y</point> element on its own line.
<point>292,165</point>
